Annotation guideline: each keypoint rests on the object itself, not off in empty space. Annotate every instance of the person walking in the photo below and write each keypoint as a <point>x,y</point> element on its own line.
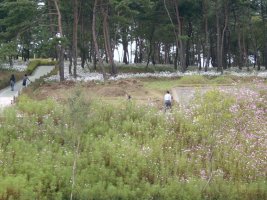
<point>25,80</point>
<point>12,82</point>
<point>167,100</point>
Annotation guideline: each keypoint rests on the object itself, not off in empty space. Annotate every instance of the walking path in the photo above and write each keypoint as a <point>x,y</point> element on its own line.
<point>7,96</point>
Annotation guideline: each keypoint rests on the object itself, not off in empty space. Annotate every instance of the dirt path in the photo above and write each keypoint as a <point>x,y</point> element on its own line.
<point>7,96</point>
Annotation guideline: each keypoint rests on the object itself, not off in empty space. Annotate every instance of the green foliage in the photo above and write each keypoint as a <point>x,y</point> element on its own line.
<point>195,79</point>
<point>16,18</point>
<point>125,152</point>
<point>35,63</point>
<point>7,50</point>
<point>185,80</point>
<point>142,69</point>
<point>222,80</point>
<point>40,108</point>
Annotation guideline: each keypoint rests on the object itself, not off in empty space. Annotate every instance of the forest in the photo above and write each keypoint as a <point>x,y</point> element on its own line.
<point>182,33</point>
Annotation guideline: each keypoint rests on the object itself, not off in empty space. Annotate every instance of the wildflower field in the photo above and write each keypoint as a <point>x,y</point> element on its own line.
<point>214,148</point>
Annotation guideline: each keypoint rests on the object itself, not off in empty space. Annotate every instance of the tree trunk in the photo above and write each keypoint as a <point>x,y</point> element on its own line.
<point>136,50</point>
<point>60,45</point>
<point>158,54</point>
<point>213,55</point>
<point>151,43</point>
<point>84,50</point>
<point>176,58</point>
<point>180,41</point>
<point>74,39</point>
<point>258,60</point>
<point>140,60</point>
<point>199,56</point>
<point>100,60</point>
<point>263,16</point>
<point>222,49</point>
<point>207,44</point>
<point>149,53</point>
<point>178,33</point>
<point>166,54</point>
<point>70,60</point>
<point>245,55</point>
<point>229,53</point>
<point>189,35</point>
<point>218,38</point>
<point>125,46</point>
<point>240,56</point>
<point>108,48</point>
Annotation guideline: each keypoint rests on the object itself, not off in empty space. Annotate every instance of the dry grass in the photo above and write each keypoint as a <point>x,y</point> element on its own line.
<point>113,91</point>
<point>5,76</point>
<point>142,91</point>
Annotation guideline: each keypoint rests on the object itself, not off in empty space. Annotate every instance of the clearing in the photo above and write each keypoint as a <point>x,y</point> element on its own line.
<point>147,91</point>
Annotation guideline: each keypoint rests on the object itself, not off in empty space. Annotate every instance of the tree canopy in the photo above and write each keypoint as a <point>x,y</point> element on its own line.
<point>179,32</point>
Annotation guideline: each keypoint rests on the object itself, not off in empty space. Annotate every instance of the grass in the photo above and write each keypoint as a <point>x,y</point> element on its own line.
<point>187,81</point>
<point>129,151</point>
<point>37,62</point>
<point>141,68</point>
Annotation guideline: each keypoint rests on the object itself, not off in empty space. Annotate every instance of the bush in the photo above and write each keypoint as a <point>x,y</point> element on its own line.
<point>227,80</point>
<point>129,151</point>
<point>141,68</point>
<point>194,79</point>
<point>35,63</point>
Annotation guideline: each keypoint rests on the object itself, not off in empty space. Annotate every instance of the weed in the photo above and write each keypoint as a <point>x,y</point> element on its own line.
<point>211,150</point>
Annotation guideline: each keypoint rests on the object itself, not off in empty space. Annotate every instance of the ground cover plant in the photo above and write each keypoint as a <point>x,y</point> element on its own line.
<point>213,149</point>
<point>139,68</point>
<point>33,64</point>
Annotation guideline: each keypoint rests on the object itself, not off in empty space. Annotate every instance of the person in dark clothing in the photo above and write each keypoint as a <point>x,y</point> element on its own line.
<point>12,82</point>
<point>25,80</point>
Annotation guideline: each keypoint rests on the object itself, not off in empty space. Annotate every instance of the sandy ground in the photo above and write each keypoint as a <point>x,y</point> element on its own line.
<point>116,91</point>
<point>112,92</point>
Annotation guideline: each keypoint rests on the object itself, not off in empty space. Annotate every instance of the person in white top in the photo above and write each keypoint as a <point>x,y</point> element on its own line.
<point>167,100</point>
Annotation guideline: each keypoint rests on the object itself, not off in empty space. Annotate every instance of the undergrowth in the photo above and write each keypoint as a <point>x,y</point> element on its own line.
<point>35,63</point>
<point>130,151</point>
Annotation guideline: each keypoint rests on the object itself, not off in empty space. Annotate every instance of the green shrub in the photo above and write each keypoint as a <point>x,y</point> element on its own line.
<point>143,69</point>
<point>35,63</point>
<point>124,152</point>
<point>222,80</point>
<point>195,79</point>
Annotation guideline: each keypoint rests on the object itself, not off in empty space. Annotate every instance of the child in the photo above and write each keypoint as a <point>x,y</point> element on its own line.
<point>25,79</point>
<point>167,100</point>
